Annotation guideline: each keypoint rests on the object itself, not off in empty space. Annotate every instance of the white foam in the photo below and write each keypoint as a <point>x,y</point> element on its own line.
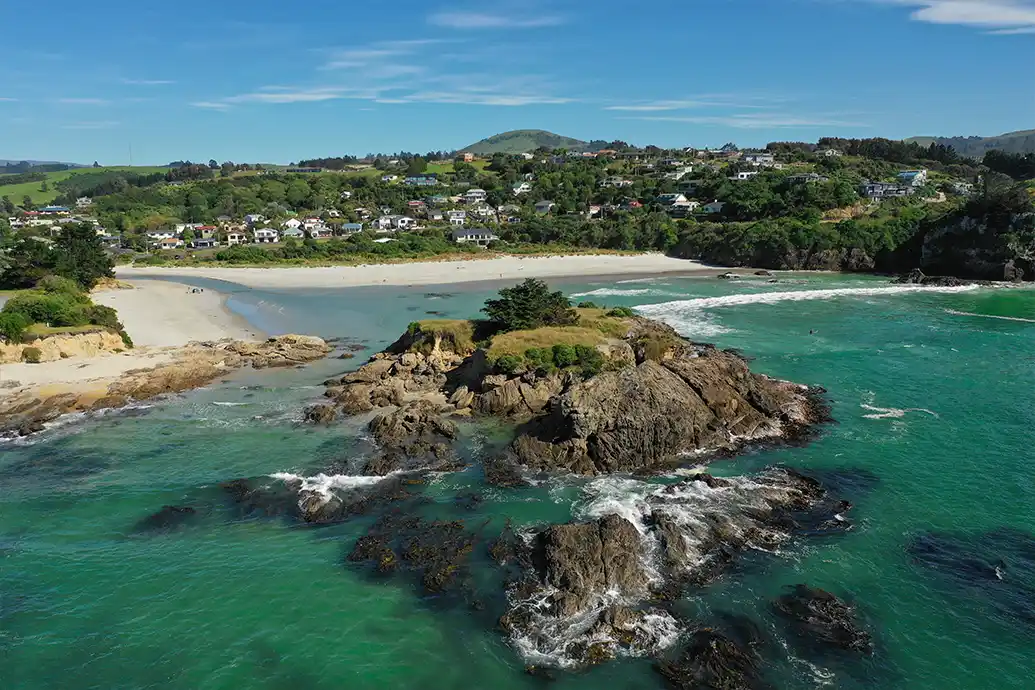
<point>230,404</point>
<point>325,484</point>
<point>626,292</point>
<point>792,296</point>
<point>893,412</point>
<point>989,316</point>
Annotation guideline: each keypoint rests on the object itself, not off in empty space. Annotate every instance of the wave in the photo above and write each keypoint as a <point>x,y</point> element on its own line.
<point>325,484</point>
<point>666,308</point>
<point>230,404</point>
<point>624,292</point>
<point>989,316</point>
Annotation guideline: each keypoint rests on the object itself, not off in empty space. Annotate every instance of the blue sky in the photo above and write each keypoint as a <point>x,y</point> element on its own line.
<point>269,81</point>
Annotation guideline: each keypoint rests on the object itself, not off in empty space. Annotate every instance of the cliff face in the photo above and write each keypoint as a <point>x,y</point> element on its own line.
<point>65,346</point>
<point>985,247</point>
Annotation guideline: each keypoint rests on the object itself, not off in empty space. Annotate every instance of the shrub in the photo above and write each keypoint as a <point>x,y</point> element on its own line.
<point>590,359</point>
<point>509,364</point>
<point>621,312</point>
<point>540,358</point>
<point>59,285</point>
<point>104,316</point>
<point>54,308</point>
<point>588,305</point>
<point>529,305</point>
<point>413,328</point>
<point>13,325</point>
<point>564,356</point>
<point>32,355</point>
<point>126,340</point>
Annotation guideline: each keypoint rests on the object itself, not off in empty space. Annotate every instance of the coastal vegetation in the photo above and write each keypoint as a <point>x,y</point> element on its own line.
<point>57,305</point>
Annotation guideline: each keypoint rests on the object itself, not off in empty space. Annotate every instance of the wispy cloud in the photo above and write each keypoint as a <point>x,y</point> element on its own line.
<point>756,120</point>
<point>285,94</point>
<point>488,20</point>
<point>8,100</point>
<point>211,105</point>
<point>83,101</point>
<point>147,82</point>
<point>101,124</point>
<point>709,101</point>
<point>997,16</point>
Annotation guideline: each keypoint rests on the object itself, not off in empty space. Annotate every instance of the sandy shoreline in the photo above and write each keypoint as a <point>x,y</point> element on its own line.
<point>161,317</point>
<point>431,272</point>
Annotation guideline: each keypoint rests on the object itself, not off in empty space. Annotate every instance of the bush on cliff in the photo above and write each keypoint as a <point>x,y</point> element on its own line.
<point>56,301</point>
<point>12,326</point>
<point>529,305</point>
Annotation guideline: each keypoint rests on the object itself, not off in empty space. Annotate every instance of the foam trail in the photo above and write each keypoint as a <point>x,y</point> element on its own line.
<point>989,316</point>
<point>665,308</point>
<point>627,292</point>
<point>892,412</point>
<point>324,484</point>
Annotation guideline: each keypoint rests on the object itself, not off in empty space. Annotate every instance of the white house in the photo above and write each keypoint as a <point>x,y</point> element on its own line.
<point>828,153</point>
<point>759,159</point>
<point>346,195</point>
<point>320,231</point>
<point>483,210</point>
<point>333,213</point>
<point>83,202</point>
<point>682,209</point>
<point>403,222</point>
<point>479,236</point>
<point>169,243</point>
<point>268,236</point>
<point>913,178</point>
<point>389,178</point>
<point>457,218</point>
<point>158,235</point>
<point>295,233</point>
<point>310,223</point>
<point>527,156</point>
<point>713,207</point>
<point>293,223</point>
<point>670,199</point>
<point>234,238</point>
<point>523,188</point>
<point>743,175</point>
<point>472,196</point>
<point>383,224</point>
<point>617,182</point>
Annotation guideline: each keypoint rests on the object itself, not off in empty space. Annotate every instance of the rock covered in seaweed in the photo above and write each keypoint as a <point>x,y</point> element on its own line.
<point>820,618</point>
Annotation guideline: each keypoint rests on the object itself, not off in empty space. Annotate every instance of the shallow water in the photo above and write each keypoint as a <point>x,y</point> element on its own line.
<point>931,395</point>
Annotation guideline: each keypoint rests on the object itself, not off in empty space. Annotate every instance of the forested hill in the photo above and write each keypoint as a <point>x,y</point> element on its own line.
<point>1021,142</point>
<point>524,140</point>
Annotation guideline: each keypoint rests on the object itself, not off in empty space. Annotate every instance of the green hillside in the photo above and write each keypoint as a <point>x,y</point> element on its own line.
<point>39,197</point>
<point>521,141</point>
<point>975,147</point>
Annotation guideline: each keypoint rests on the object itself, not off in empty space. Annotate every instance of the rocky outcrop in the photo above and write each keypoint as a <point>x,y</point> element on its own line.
<point>26,412</point>
<point>713,661</point>
<point>658,397</point>
<point>918,277</point>
<point>994,243</point>
<point>586,588</point>
<point>413,437</point>
<point>819,618</point>
<point>642,418</point>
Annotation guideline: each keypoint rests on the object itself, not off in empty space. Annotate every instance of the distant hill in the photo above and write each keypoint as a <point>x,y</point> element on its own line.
<point>524,140</point>
<point>975,147</point>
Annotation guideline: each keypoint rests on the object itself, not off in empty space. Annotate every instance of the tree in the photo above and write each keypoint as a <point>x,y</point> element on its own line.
<point>529,305</point>
<point>7,205</point>
<point>44,187</point>
<point>81,256</point>
<point>213,164</point>
<point>26,202</point>
<point>416,166</point>
<point>188,236</point>
<point>96,164</point>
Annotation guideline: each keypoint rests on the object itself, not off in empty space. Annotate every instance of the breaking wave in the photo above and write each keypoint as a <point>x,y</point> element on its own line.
<point>624,292</point>
<point>325,484</point>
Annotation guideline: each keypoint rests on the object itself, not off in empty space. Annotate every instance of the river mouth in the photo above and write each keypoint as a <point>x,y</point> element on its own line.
<point>266,603</point>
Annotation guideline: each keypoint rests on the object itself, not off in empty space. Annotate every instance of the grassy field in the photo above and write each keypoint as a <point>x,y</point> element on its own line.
<point>17,191</point>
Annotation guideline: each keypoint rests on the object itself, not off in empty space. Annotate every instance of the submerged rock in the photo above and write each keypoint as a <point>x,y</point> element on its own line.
<point>168,518</point>
<point>820,618</point>
<point>712,661</point>
<point>995,567</point>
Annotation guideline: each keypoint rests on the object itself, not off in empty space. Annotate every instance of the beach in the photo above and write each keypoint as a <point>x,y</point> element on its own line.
<point>159,316</point>
<point>431,272</point>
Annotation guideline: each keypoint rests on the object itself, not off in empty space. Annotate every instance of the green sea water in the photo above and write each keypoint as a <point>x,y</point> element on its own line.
<point>931,392</point>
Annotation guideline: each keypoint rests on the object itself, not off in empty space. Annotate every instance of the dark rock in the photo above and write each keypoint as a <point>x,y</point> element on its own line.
<point>712,661</point>
<point>503,472</point>
<point>763,272</point>
<point>262,498</point>
<point>728,276</point>
<point>414,437</point>
<point>917,277</point>
<point>346,355</point>
<point>820,618</point>
<point>168,518</point>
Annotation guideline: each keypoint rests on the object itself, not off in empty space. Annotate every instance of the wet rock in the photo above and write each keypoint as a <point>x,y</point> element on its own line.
<point>503,472</point>
<point>763,273</point>
<point>820,618</point>
<point>262,497</point>
<point>728,276</point>
<point>435,553</point>
<point>168,518</point>
<point>917,277</point>
<point>346,355</point>
<point>712,661</point>
<point>320,414</point>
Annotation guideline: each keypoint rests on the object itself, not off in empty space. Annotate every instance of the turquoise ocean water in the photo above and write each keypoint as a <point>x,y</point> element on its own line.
<point>932,393</point>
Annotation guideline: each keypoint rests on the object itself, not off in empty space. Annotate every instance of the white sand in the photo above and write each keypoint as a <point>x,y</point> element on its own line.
<point>430,272</point>
<point>160,314</point>
<point>78,373</point>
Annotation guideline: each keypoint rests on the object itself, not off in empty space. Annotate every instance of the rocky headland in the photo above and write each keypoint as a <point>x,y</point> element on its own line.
<point>27,409</point>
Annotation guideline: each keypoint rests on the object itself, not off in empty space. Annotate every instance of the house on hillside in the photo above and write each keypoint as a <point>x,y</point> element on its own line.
<point>479,236</point>
<point>743,175</point>
<point>714,207</point>
<point>83,202</point>
<point>616,182</point>
<point>254,219</point>
<point>467,157</point>
<point>320,232</point>
<point>962,188</point>
<point>403,223</point>
<point>544,207</point>
<point>522,188</point>
<point>458,218</point>
<point>421,181</point>
<point>913,178</point>
<point>346,229</point>
<point>205,232</point>
<point>382,224</point>
<point>829,153</point>
<point>669,199</point>
<point>759,160</point>
<point>293,223</point>
<point>267,236</point>
<point>806,178</point>
<point>205,243</point>
<point>683,209</point>
<point>235,238</point>
<point>389,178</point>
<point>437,200</point>
<point>345,195</point>
<point>885,190</point>
<point>527,156</point>
<point>473,196</point>
<point>288,234</point>
<point>169,243</point>
<point>54,211</point>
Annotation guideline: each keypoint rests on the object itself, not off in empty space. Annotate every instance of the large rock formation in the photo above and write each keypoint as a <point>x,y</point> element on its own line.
<point>820,618</point>
<point>657,398</point>
<point>26,412</point>
<point>585,588</point>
